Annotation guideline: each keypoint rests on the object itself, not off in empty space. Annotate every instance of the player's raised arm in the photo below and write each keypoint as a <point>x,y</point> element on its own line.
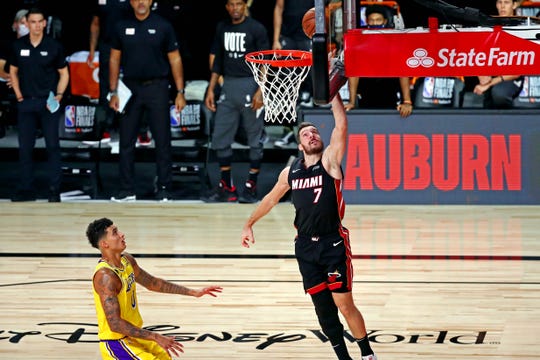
<point>267,203</point>
<point>333,154</point>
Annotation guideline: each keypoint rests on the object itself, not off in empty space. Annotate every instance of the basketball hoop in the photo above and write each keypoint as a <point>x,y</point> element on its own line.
<point>279,74</point>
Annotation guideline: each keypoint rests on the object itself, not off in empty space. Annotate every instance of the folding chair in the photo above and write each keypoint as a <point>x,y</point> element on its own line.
<point>78,124</point>
<point>190,134</point>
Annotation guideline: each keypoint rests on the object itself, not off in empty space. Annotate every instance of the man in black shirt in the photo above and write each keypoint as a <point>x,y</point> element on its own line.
<point>106,14</point>
<point>289,35</point>
<point>146,47</point>
<point>239,100</point>
<point>322,245</point>
<point>38,68</point>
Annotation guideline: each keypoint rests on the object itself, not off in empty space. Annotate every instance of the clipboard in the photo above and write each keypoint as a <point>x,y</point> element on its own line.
<point>124,94</point>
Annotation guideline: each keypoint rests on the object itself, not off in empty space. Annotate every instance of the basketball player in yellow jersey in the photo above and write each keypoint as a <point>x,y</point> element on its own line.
<point>119,323</point>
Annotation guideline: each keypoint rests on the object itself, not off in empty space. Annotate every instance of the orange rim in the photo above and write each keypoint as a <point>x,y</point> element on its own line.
<point>296,58</point>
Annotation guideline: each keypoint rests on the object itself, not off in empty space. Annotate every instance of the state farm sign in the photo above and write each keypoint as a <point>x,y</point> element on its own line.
<point>434,53</point>
<point>454,58</point>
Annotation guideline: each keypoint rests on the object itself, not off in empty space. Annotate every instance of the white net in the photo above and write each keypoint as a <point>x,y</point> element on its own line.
<point>279,75</point>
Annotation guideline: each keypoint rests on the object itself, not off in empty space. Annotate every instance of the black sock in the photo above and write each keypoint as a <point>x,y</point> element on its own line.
<point>253,174</point>
<point>341,351</point>
<point>226,176</point>
<point>364,346</point>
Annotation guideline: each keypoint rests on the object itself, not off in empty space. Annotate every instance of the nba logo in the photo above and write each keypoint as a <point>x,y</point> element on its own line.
<point>525,88</point>
<point>429,85</point>
<point>70,118</point>
<point>175,117</point>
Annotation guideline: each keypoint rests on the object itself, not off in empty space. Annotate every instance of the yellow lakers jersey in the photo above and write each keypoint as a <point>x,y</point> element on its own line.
<point>127,299</point>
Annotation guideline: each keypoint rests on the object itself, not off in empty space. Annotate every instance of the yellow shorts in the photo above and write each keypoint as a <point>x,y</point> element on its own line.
<point>130,348</point>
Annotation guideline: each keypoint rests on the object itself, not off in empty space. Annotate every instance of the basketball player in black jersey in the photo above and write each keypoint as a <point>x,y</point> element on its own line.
<point>322,245</point>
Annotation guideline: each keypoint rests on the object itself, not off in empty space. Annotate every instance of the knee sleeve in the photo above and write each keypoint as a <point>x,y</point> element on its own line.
<point>327,313</point>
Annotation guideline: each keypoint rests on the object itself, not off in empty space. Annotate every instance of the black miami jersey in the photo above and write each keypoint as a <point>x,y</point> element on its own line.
<point>317,198</point>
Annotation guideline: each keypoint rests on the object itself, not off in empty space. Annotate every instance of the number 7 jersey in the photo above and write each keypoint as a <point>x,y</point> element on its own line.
<point>317,198</point>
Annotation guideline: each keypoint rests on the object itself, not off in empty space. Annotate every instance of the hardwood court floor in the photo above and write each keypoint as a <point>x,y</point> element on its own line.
<point>433,282</point>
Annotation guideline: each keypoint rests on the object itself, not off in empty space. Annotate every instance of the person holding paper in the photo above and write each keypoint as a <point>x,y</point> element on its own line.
<point>145,45</point>
<point>37,68</point>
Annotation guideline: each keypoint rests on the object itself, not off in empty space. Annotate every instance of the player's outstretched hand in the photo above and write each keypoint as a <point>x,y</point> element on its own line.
<point>173,347</point>
<point>247,236</point>
<point>210,290</point>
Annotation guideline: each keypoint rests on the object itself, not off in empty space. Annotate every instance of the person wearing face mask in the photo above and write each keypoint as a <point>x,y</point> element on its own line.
<point>500,90</point>
<point>20,26</point>
<point>377,93</point>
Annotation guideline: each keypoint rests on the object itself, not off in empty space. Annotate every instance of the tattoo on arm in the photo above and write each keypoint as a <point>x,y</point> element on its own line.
<point>153,283</point>
<point>108,285</point>
<point>160,285</point>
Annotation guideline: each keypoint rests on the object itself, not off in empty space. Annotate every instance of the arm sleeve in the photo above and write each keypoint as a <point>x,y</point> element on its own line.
<point>94,10</point>
<point>261,37</point>
<point>171,41</point>
<point>214,46</point>
<point>60,60</point>
<point>13,60</point>
<point>217,50</point>
<point>115,37</point>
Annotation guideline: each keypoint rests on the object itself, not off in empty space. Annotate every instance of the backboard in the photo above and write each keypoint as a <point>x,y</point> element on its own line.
<point>327,46</point>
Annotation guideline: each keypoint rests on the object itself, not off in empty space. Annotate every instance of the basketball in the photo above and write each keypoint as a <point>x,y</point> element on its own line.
<point>308,23</point>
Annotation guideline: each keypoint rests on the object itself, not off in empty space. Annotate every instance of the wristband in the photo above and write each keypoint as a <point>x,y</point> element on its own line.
<point>181,91</point>
<point>408,102</point>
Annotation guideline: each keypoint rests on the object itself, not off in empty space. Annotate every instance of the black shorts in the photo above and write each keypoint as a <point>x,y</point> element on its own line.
<point>325,262</point>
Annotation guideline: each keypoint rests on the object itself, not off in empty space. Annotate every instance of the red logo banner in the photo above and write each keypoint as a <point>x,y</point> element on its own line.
<point>424,52</point>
